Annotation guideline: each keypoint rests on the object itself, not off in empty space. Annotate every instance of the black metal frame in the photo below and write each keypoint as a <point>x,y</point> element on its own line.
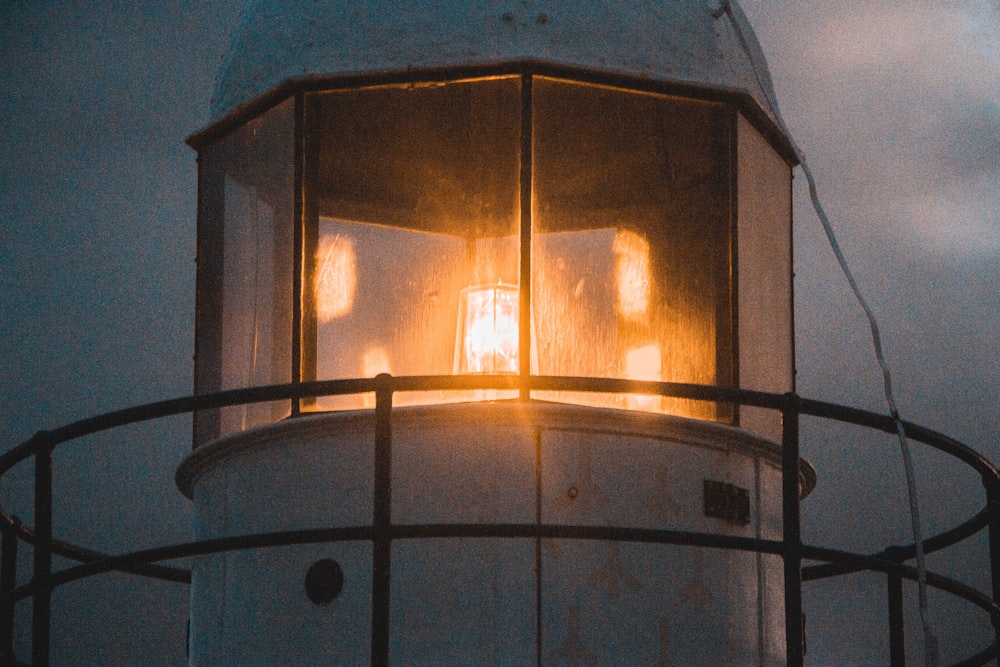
<point>743,100</point>
<point>382,532</point>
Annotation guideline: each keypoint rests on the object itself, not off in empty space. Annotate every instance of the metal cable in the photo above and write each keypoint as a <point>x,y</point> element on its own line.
<point>931,648</point>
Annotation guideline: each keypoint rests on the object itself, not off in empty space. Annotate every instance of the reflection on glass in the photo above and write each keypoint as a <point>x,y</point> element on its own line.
<point>387,300</point>
<point>414,197</point>
<point>245,269</point>
<point>336,277</point>
<point>630,241</point>
<point>413,229</point>
<point>632,274</point>
<point>374,362</point>
<point>402,319</point>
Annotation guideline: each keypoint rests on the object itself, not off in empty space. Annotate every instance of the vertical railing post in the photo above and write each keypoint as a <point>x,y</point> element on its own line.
<point>382,546</point>
<point>894,589</point>
<point>791,529</point>
<point>8,581</point>
<point>42,602</point>
<point>993,502</point>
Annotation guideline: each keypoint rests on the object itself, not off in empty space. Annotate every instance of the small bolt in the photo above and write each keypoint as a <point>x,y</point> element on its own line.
<point>572,493</point>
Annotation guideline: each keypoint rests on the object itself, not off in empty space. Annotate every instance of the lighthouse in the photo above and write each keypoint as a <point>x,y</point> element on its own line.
<point>459,200</point>
<point>494,353</point>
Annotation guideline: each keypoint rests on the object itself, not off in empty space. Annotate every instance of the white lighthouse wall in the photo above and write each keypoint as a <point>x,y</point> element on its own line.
<point>642,603</point>
<point>239,599</point>
<point>476,600</point>
<point>772,577</point>
<point>447,472</point>
<point>463,602</point>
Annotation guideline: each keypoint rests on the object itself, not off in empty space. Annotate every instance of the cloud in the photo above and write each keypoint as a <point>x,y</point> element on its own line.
<point>953,223</point>
<point>904,112</point>
<point>940,46</point>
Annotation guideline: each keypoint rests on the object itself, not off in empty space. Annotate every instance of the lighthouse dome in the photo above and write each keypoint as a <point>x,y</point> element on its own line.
<point>689,42</point>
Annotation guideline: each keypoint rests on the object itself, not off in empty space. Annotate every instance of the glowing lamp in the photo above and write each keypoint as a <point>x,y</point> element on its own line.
<point>486,340</point>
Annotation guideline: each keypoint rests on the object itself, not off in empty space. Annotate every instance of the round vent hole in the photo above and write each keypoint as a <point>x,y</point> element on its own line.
<point>324,581</point>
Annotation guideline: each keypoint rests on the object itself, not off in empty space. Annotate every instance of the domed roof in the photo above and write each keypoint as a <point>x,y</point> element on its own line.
<point>683,41</point>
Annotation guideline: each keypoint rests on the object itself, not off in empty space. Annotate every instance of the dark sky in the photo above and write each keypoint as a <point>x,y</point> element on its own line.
<point>896,105</point>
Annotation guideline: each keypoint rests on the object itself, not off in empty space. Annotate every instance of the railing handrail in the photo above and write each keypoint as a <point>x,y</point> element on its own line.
<point>834,562</point>
<point>743,397</point>
<point>316,388</point>
<point>132,561</point>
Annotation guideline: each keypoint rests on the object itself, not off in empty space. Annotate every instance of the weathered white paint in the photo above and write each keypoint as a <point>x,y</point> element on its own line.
<point>675,41</point>
<point>472,601</point>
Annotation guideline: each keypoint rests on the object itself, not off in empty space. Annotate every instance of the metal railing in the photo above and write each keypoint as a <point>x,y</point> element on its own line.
<point>892,561</point>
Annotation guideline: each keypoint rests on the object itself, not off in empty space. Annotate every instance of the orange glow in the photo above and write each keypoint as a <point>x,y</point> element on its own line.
<point>374,361</point>
<point>644,363</point>
<point>632,274</point>
<point>336,278</point>
<point>488,330</point>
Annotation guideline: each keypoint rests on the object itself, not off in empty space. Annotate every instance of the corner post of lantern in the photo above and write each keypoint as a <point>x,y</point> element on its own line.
<point>42,603</point>
<point>792,531</point>
<point>300,232</point>
<point>526,171</point>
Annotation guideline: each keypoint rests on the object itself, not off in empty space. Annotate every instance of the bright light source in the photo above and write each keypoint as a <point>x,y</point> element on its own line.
<point>487,338</point>
<point>644,363</point>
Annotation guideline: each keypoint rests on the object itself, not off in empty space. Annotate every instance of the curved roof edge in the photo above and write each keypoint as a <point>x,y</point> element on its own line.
<point>687,42</point>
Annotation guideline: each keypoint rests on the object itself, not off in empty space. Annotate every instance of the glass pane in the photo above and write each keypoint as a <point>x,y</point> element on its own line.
<point>414,200</point>
<point>245,268</point>
<point>630,254</point>
<point>767,356</point>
